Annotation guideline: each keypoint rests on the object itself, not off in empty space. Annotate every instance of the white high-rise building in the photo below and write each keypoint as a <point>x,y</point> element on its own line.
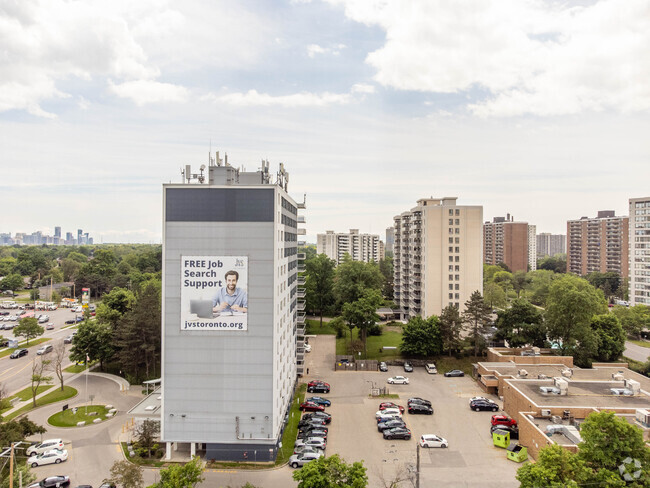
<point>639,288</point>
<point>360,247</point>
<point>438,256</point>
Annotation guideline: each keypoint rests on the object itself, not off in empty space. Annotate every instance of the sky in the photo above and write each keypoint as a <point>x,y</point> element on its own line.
<point>539,109</point>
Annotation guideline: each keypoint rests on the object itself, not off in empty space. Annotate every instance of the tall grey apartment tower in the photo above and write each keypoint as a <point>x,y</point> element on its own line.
<point>550,244</point>
<point>360,247</point>
<point>438,256</point>
<point>640,251</point>
<point>232,312</point>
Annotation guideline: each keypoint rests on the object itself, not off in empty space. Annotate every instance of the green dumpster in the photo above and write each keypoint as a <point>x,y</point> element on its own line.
<point>501,438</point>
<point>517,453</point>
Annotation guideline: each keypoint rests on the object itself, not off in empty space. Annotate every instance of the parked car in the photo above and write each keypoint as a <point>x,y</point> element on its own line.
<point>46,445</point>
<point>454,372</point>
<point>300,450</point>
<point>53,456</point>
<point>44,349</point>
<point>319,401</point>
<point>388,411</point>
<point>513,430</point>
<point>52,482</point>
<point>408,367</point>
<point>68,340</point>
<point>306,424</point>
<point>420,408</point>
<point>478,405</point>
<point>49,326</point>
<point>307,347</point>
<point>315,442</point>
<point>317,382</point>
<point>397,433</point>
<point>318,415</point>
<point>398,380</point>
<point>318,388</point>
<point>431,368</point>
<point>383,366</point>
<point>310,407</point>
<point>503,420</point>
<point>18,353</point>
<point>385,405</point>
<point>418,400</point>
<point>473,399</point>
<point>390,424</point>
<point>387,416</point>
<point>313,432</point>
<point>298,460</point>
<point>432,440</point>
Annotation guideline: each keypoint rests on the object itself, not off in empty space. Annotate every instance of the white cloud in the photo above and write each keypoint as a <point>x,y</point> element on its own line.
<point>530,56</point>
<point>362,88</point>
<point>145,91</point>
<point>314,49</point>
<point>252,98</point>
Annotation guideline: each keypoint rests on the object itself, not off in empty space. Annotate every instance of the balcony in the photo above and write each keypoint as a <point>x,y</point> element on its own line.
<point>300,332</point>
<point>302,268</point>
<point>302,243</point>
<point>300,318</point>
<point>301,293</point>
<point>301,219</point>
<point>302,255</point>
<point>301,232</point>
<point>301,305</point>
<point>301,280</point>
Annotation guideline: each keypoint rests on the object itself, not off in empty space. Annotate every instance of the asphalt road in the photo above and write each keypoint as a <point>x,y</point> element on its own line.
<point>638,353</point>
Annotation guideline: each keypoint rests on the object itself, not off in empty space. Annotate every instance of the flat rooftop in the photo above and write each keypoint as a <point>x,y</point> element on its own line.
<point>590,394</point>
<point>558,437</point>
<point>149,407</point>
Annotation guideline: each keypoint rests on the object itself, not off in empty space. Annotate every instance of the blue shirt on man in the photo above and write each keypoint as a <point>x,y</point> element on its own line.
<point>239,298</point>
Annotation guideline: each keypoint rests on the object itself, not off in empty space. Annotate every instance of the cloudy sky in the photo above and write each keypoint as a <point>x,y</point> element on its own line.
<point>537,108</point>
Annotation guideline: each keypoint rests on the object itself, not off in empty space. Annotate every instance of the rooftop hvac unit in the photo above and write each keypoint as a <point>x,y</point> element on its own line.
<point>523,373</point>
<point>562,385</point>
<point>633,385</point>
<point>621,391</point>
<point>554,429</point>
<point>567,373</point>
<point>643,416</point>
<point>572,434</point>
<point>546,412</point>
<point>541,376</point>
<point>556,419</point>
<point>536,351</point>
<point>617,376</point>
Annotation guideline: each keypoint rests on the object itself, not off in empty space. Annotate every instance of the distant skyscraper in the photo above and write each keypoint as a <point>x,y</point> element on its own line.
<point>509,242</point>
<point>599,244</point>
<point>57,232</point>
<point>550,244</point>
<point>639,251</point>
<point>390,238</point>
<point>360,247</point>
<point>79,236</point>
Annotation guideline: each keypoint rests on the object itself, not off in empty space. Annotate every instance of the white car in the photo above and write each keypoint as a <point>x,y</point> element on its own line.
<point>386,416</point>
<point>53,456</point>
<point>395,412</point>
<point>44,349</point>
<point>316,442</point>
<point>398,380</point>
<point>298,460</point>
<point>432,440</point>
<point>44,446</point>
<point>307,347</point>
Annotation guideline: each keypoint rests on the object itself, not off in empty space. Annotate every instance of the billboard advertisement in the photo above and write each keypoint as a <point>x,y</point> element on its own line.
<point>214,293</point>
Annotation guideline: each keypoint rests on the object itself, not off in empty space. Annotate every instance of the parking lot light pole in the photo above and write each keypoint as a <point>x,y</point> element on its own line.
<point>417,466</point>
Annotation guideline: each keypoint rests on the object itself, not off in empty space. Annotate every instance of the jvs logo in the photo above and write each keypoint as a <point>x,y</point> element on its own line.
<point>239,262</point>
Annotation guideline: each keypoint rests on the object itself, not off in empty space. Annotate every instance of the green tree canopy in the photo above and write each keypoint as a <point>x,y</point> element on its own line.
<point>28,328</point>
<point>451,325</point>
<point>556,263</point>
<point>608,282</point>
<point>386,268</point>
<point>633,319</point>
<point>319,283</point>
<point>331,472</point>
<point>541,280</point>
<point>520,280</point>
<point>12,282</point>
<point>555,468</point>
<point>477,318</point>
<point>362,313</point>
<point>353,278</point>
<point>494,295</point>
<point>611,337</point>
<point>421,337</point>
<point>185,475</point>
<point>522,324</point>
<point>95,340</point>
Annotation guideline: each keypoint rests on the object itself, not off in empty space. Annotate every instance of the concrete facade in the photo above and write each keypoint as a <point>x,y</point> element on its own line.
<point>360,247</point>
<point>639,286</point>
<point>230,390</point>
<point>550,244</point>
<point>437,256</point>
<point>509,242</point>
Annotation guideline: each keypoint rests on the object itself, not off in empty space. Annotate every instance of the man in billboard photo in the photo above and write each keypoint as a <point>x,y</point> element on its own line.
<point>230,298</point>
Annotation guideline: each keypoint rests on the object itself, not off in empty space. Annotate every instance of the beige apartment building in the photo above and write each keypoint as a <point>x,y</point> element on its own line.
<point>639,251</point>
<point>599,244</point>
<point>509,242</point>
<point>437,256</point>
<point>360,247</point>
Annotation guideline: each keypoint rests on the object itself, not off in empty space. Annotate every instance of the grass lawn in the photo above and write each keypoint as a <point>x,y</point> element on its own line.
<point>78,368</point>
<point>373,345</point>
<point>157,463</point>
<point>33,342</point>
<point>55,396</point>
<point>314,328</point>
<point>67,418</point>
<point>640,343</point>
<point>26,394</point>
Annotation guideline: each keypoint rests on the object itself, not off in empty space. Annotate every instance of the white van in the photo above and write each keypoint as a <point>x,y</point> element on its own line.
<point>431,368</point>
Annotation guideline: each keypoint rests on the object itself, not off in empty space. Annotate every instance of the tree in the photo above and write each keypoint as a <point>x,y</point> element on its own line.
<point>494,295</point>
<point>556,263</point>
<point>147,433</point>
<point>633,319</point>
<point>114,305</point>
<point>126,474</point>
<point>521,324</point>
<point>611,337</point>
<point>503,279</point>
<point>23,476</point>
<point>39,367</point>
<point>57,362</point>
<point>28,328</point>
<point>570,305</point>
<point>94,340</point>
<point>70,268</point>
<point>353,278</point>
<point>489,271</point>
<point>520,280</point>
<point>320,283</point>
<point>362,313</point>
<point>477,318</point>
<point>541,280</point>
<point>451,325</point>
<point>609,282</point>
<point>386,268</point>
<point>421,337</point>
<point>331,472</point>
<point>555,468</point>
<point>181,476</point>
<point>338,324</point>
<point>12,282</point>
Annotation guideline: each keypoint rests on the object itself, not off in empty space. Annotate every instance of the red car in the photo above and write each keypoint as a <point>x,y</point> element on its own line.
<point>503,420</point>
<point>385,405</point>
<point>318,382</point>
<point>311,407</point>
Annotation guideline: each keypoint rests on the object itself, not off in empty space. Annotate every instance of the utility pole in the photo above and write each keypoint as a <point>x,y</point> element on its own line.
<point>417,466</point>
<point>11,467</point>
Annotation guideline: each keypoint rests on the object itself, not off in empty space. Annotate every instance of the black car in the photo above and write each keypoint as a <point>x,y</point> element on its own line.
<point>310,423</point>
<point>313,433</point>
<point>383,366</point>
<point>52,482</point>
<point>319,401</point>
<point>514,431</point>
<point>306,428</point>
<point>317,415</point>
<point>419,401</point>
<point>397,433</point>
<point>318,388</point>
<point>420,408</point>
<point>390,424</point>
<point>18,353</point>
<point>454,372</point>
<point>485,405</point>
<point>408,367</point>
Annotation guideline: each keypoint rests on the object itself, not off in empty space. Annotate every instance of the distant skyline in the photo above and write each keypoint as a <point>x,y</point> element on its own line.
<point>535,108</point>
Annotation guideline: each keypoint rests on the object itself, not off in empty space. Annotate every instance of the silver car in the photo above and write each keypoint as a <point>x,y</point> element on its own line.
<point>298,460</point>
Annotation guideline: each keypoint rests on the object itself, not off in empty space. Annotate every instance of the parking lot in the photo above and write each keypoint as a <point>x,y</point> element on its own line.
<point>470,460</point>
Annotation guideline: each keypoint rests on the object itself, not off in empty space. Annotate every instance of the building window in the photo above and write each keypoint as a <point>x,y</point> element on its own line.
<point>451,259</point>
<point>457,211</point>
<point>451,296</point>
<point>451,240</point>
<point>451,268</point>
<point>451,221</point>
<point>451,211</point>
<point>457,277</point>
<point>457,286</point>
<point>458,249</point>
<point>451,249</point>
<point>457,221</point>
<point>451,277</point>
<point>457,240</point>
<point>456,268</point>
<point>451,287</point>
<point>451,231</point>
<point>458,259</point>
<point>457,230</point>
<point>457,296</point>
